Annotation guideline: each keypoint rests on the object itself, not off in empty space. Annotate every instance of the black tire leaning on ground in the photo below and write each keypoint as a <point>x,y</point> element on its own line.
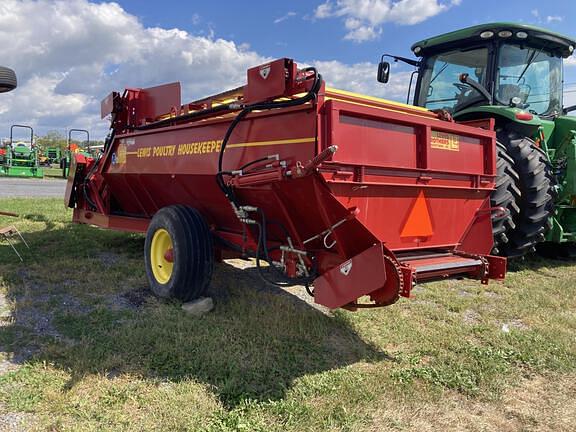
<point>506,195</point>
<point>536,203</point>
<point>8,80</point>
<point>193,254</point>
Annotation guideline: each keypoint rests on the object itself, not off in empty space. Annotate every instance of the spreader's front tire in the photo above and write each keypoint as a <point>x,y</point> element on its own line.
<point>179,253</point>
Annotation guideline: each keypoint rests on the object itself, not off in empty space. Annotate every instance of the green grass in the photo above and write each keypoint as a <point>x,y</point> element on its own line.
<point>52,172</point>
<point>95,351</point>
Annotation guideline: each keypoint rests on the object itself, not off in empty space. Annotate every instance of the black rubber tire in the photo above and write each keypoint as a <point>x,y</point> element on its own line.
<point>192,249</point>
<point>536,184</point>
<point>505,195</point>
<point>8,81</point>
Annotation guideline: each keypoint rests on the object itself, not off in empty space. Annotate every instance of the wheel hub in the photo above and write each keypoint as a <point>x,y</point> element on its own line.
<point>162,256</point>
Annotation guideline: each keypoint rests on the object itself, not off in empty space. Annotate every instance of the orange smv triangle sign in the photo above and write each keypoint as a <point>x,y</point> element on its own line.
<point>418,223</point>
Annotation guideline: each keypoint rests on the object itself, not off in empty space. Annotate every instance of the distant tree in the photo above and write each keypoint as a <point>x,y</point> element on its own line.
<point>51,139</point>
<point>56,138</point>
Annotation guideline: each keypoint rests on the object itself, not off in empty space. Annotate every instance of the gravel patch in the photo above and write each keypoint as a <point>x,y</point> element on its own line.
<point>515,324</point>
<point>15,422</point>
<point>243,274</point>
<point>5,310</point>
<point>35,319</point>
<point>133,299</point>
<point>471,317</point>
<point>109,259</point>
<point>7,366</point>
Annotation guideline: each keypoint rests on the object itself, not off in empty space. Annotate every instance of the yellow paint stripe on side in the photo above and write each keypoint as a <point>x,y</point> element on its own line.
<point>417,114</point>
<point>268,143</point>
<point>374,99</point>
<point>131,153</point>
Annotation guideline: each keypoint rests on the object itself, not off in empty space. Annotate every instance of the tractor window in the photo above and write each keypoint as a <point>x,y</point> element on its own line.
<point>533,76</point>
<point>441,88</point>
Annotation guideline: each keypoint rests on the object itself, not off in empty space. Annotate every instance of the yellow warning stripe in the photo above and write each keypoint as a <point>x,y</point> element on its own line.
<point>408,109</point>
<point>374,99</point>
<point>416,114</point>
<point>267,143</point>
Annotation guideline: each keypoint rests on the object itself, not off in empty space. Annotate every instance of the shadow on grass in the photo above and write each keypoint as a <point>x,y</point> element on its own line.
<point>549,256</point>
<point>88,289</point>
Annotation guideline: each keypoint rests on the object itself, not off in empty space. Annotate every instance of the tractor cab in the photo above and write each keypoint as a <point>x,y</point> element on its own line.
<point>502,64</point>
<point>517,66</point>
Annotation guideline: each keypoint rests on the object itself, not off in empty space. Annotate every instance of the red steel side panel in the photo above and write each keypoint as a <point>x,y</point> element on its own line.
<point>380,143</point>
<point>387,160</point>
<point>156,168</point>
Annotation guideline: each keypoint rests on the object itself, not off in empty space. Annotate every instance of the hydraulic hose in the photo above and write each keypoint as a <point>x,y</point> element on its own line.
<point>262,250</point>
<point>190,116</point>
<point>312,94</point>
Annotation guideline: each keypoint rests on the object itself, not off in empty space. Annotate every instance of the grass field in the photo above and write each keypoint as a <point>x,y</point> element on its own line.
<point>86,347</point>
<point>53,171</point>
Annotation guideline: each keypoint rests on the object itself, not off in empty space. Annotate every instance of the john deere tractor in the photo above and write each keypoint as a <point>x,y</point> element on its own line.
<point>20,158</point>
<point>510,75</point>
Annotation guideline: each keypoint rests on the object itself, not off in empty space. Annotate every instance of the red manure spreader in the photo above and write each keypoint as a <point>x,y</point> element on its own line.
<point>355,197</point>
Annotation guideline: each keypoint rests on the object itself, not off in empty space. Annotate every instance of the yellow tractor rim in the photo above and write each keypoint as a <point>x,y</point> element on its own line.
<point>161,249</point>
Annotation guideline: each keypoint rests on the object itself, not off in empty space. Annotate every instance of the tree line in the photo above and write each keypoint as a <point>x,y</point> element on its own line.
<point>59,140</point>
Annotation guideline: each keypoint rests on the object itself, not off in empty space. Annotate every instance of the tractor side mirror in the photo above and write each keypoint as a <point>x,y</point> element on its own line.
<point>383,72</point>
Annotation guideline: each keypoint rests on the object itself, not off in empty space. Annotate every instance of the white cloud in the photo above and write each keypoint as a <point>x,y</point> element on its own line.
<point>362,33</point>
<point>364,18</point>
<point>324,10</point>
<point>284,17</point>
<point>69,54</point>
<point>570,61</point>
<point>361,78</point>
<point>541,19</point>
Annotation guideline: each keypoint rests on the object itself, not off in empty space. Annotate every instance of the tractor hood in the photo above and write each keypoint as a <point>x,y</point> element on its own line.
<point>534,36</point>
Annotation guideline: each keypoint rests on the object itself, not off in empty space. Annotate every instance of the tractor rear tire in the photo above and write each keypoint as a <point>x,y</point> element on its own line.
<point>179,253</point>
<point>8,80</point>
<point>536,184</point>
<point>506,195</point>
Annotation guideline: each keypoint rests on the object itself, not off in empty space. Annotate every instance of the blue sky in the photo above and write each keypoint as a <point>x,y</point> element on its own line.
<point>69,54</point>
<point>300,35</point>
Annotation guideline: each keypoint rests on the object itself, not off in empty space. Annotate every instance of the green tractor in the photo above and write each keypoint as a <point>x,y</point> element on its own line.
<point>510,76</point>
<point>53,155</point>
<point>20,158</point>
<point>72,148</point>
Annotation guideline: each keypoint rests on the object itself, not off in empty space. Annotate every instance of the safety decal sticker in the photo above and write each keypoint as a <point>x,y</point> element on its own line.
<point>346,267</point>
<point>445,141</point>
<point>265,71</point>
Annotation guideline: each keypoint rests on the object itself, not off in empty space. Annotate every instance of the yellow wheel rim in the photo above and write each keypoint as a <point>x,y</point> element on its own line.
<point>161,245</point>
